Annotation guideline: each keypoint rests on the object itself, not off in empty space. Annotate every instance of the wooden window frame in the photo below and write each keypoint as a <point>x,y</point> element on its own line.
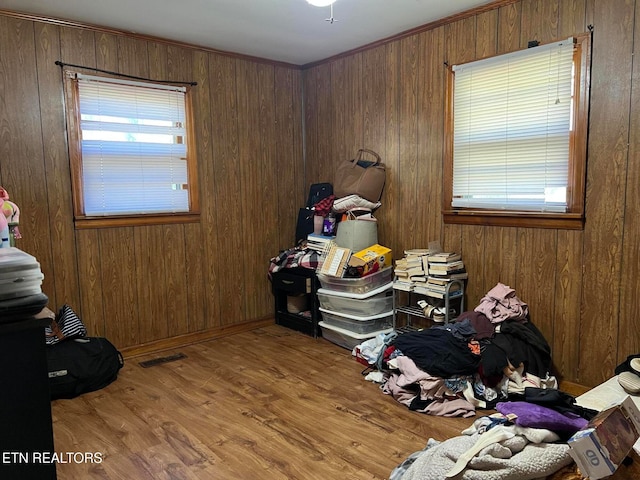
<point>81,220</point>
<point>574,217</point>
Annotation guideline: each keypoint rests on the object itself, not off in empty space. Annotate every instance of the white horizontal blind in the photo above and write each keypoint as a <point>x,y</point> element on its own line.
<point>134,147</point>
<point>512,123</point>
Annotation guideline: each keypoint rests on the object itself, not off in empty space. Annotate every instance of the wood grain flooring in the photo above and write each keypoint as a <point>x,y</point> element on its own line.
<point>267,404</point>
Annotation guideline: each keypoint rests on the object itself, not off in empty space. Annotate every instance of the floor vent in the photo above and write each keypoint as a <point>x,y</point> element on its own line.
<point>161,360</point>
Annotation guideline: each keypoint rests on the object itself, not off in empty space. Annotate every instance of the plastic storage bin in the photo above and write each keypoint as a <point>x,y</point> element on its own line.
<point>363,305</point>
<point>345,338</point>
<point>356,324</point>
<point>357,285</point>
<point>20,274</point>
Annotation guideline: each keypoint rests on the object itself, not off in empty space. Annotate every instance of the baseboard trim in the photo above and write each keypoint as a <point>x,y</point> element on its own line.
<point>191,338</point>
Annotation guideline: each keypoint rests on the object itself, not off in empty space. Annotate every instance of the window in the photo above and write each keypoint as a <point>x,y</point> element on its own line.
<point>131,151</point>
<point>516,145</point>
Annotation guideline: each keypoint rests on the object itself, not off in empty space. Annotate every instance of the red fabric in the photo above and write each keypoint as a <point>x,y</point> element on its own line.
<point>323,207</point>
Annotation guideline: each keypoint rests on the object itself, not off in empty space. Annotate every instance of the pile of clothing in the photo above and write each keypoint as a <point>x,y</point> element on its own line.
<point>485,357</point>
<point>525,439</point>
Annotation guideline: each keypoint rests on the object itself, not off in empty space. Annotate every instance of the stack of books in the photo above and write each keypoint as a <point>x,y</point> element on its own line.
<point>442,269</point>
<point>410,270</point>
<point>319,243</point>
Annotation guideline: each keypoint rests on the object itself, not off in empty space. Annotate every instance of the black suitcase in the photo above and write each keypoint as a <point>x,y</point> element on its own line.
<point>304,224</point>
<point>82,365</point>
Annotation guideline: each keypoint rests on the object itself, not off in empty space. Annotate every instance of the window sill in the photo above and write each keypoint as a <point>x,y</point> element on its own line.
<point>565,221</point>
<point>135,220</point>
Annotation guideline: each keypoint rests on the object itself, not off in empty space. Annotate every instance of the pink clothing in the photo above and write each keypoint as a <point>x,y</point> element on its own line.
<point>431,388</point>
<point>501,303</point>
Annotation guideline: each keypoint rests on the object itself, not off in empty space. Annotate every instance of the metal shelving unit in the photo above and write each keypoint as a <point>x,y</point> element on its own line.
<point>451,302</point>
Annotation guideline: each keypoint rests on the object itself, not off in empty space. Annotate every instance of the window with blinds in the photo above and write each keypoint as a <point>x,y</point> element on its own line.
<point>131,147</point>
<point>516,124</point>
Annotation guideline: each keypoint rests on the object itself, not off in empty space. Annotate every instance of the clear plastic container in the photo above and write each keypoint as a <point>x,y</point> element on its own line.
<point>371,303</point>
<point>20,274</point>
<point>358,324</point>
<point>345,338</point>
<point>357,285</point>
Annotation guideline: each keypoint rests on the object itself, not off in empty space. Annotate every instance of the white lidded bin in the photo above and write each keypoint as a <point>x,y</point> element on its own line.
<point>364,304</point>
<point>345,338</point>
<point>357,324</point>
<point>20,274</point>
<point>359,285</point>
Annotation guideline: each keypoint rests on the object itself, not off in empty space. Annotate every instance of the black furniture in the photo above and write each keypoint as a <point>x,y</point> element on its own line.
<point>292,282</point>
<point>26,435</point>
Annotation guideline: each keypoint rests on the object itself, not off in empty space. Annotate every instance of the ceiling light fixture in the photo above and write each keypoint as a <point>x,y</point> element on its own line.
<point>321,3</point>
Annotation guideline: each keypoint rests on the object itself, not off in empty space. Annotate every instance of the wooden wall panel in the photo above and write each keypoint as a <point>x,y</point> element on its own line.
<point>150,257</point>
<point>21,144</point>
<point>389,229</point>
<point>91,308</point>
<point>606,177</point>
<point>539,21</point>
<point>535,279</point>
<point>572,19</point>
<point>567,295</point>
<point>509,19</point>
<point>629,320</point>
<point>64,265</point>
<point>311,132</point>
<point>289,180</point>
<point>223,211</point>
<point>354,134</point>
<point>373,99</point>
<point>340,113</point>
<point>250,158</point>
<point>325,165</point>
<point>266,225</point>
<point>118,269</point>
<point>195,255</point>
<point>432,101</point>
<point>409,207</point>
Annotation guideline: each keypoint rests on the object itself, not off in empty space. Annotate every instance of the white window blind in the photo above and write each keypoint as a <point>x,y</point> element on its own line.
<point>134,147</point>
<point>511,130</point>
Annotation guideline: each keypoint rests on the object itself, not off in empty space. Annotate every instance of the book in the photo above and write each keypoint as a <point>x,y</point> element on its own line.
<point>319,243</point>
<point>402,285</point>
<point>436,294</point>
<point>444,257</point>
<point>454,287</point>
<point>445,268</point>
<point>460,274</point>
<point>463,275</point>
<point>336,261</point>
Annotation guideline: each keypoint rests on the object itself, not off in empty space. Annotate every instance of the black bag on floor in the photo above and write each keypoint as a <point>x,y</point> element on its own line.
<point>81,365</point>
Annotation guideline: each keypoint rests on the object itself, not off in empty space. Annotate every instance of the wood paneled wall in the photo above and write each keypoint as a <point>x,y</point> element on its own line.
<point>581,286</point>
<point>150,284</point>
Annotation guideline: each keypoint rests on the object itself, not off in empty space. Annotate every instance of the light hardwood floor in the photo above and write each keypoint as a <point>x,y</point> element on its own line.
<point>267,404</point>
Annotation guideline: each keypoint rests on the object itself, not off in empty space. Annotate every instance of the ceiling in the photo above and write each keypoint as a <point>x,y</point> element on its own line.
<point>290,31</point>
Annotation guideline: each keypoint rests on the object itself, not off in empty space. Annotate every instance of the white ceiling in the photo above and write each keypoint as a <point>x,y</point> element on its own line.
<point>290,31</point>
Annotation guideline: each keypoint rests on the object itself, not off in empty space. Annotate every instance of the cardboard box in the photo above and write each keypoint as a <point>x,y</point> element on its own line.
<point>373,259</point>
<point>600,447</point>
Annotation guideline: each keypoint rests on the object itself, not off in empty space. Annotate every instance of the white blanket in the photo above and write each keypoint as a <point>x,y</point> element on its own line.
<point>512,459</point>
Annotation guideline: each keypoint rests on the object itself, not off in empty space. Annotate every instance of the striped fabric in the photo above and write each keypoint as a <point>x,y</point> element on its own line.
<point>66,324</point>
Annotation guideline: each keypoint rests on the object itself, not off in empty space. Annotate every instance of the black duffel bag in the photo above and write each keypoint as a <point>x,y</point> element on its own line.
<point>81,365</point>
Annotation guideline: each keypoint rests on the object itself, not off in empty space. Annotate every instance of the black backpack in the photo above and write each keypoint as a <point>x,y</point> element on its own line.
<point>80,365</point>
